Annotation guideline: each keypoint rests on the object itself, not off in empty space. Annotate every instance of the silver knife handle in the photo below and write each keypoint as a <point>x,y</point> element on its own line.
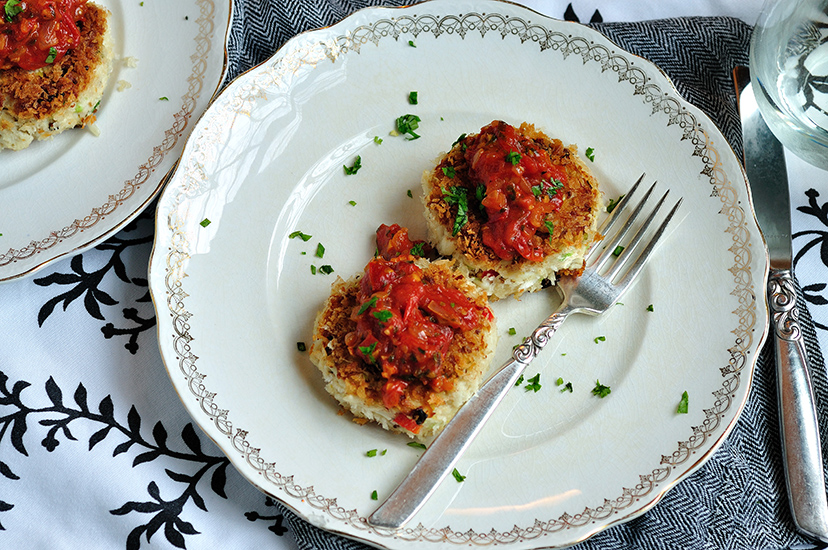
<point>444,452</point>
<point>801,449</point>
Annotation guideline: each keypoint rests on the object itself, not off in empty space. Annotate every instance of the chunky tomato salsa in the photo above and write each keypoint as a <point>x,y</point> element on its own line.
<point>405,323</point>
<point>37,33</point>
<point>519,187</point>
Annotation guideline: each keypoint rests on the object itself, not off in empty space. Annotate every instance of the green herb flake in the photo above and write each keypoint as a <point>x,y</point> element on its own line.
<point>313,269</point>
<point>378,140</point>
<point>352,203</point>
<point>550,227</point>
<point>416,445</point>
<point>13,7</point>
<point>650,307</point>
<point>325,269</point>
<point>590,154</point>
<point>618,250</point>
<point>449,171</point>
<point>601,390</point>
<point>412,44</point>
<point>512,331</point>
<point>533,384</point>
<point>301,346</point>
<point>600,339</point>
<point>683,404</point>
<point>513,157</point>
<point>567,387</point>
<point>372,452</point>
<point>410,195</point>
<point>458,140</point>
<point>412,98</point>
<point>613,203</point>
<point>163,98</point>
<point>52,55</point>
<point>374,495</point>
<point>368,351</point>
<point>418,249</point>
<point>457,196</point>
<point>458,476</point>
<point>519,380</point>
<point>406,124</point>
<point>354,168</point>
<point>205,222</point>
<point>383,316</point>
<point>367,305</point>
<point>297,234</point>
<point>320,250</point>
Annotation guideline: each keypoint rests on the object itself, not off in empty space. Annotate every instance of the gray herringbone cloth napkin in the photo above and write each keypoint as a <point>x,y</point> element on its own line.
<point>737,499</point>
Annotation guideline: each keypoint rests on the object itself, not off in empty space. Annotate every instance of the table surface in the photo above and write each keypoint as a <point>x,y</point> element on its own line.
<point>82,383</point>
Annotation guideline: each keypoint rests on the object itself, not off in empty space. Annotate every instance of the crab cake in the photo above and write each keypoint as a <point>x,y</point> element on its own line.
<point>513,207</point>
<point>55,60</point>
<point>405,343</point>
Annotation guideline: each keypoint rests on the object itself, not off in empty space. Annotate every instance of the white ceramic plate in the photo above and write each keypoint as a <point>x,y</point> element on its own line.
<point>62,196</point>
<point>235,295</point>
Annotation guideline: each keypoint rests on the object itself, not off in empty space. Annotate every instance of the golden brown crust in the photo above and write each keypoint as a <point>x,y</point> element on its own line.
<point>574,219</point>
<point>359,385</point>
<point>41,93</point>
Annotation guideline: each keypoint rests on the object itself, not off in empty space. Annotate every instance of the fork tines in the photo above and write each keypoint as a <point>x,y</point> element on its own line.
<point>612,251</point>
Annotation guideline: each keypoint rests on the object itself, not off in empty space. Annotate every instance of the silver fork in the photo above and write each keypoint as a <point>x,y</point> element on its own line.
<point>603,281</point>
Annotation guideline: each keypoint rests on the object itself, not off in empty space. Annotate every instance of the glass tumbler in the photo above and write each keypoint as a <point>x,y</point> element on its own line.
<point>789,74</point>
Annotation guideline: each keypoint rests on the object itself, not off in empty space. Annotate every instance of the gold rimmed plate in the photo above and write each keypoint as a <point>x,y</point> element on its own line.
<point>236,295</point>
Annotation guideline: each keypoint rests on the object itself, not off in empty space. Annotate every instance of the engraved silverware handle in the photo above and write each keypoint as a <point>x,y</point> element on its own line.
<point>444,452</point>
<point>801,449</point>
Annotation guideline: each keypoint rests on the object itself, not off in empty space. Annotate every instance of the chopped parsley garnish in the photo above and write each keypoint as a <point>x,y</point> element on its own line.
<point>550,227</point>
<point>406,124</point>
<point>448,171</point>
<point>378,140</point>
<point>567,387</point>
<point>354,168</point>
<point>613,203</point>
<point>320,250</point>
<point>205,222</point>
<point>513,157</point>
<point>374,495</point>
<point>352,203</point>
<point>383,316</point>
<point>163,98</point>
<point>600,339</point>
<point>601,390</point>
<point>52,54</point>
<point>293,235</point>
<point>533,384</point>
<point>412,44</point>
<point>590,154</point>
<point>416,445</point>
<point>519,381</point>
<point>13,7</point>
<point>313,270</point>
<point>418,250</point>
<point>325,269</point>
<point>618,250</point>
<point>650,307</point>
<point>372,452</point>
<point>367,305</point>
<point>512,331</point>
<point>459,477</point>
<point>367,351</point>
<point>410,195</point>
<point>457,196</point>
<point>459,139</point>
<point>682,406</point>
<point>412,98</point>
<point>301,346</point>
<point>480,194</point>
<point>537,190</point>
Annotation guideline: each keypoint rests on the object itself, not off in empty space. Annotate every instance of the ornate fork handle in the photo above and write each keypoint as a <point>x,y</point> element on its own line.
<point>801,449</point>
<point>445,450</point>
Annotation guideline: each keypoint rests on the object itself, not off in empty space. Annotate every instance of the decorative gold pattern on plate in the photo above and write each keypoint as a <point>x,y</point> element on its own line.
<point>664,104</point>
<point>204,43</point>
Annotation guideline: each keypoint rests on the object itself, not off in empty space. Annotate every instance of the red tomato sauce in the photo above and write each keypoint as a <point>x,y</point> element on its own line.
<point>36,33</point>
<point>521,185</point>
<point>405,324</point>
